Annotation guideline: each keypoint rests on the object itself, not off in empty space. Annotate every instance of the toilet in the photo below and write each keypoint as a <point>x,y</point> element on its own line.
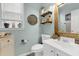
<point>37,49</point>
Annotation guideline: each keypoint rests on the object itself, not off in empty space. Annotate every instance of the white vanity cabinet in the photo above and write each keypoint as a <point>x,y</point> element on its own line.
<point>52,51</point>
<point>48,50</point>
<point>60,53</point>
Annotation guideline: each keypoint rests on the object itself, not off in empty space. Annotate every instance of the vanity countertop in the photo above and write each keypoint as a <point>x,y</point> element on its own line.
<point>71,49</point>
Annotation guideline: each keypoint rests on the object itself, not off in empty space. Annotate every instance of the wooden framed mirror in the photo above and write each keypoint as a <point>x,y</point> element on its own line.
<point>66,19</point>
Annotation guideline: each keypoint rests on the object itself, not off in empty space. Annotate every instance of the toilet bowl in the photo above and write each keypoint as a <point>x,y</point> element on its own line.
<point>38,48</point>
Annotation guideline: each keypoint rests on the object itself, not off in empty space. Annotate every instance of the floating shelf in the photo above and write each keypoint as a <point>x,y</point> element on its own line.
<point>44,14</point>
<point>47,22</point>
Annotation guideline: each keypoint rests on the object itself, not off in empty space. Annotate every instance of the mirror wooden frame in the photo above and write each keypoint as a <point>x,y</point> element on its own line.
<point>72,35</point>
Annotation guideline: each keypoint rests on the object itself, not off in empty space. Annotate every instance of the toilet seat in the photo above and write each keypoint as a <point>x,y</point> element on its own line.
<point>37,47</point>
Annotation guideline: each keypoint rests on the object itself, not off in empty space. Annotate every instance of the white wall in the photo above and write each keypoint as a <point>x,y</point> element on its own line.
<point>75,21</point>
<point>18,8</point>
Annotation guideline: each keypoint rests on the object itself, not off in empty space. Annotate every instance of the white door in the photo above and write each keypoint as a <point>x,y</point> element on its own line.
<point>68,26</point>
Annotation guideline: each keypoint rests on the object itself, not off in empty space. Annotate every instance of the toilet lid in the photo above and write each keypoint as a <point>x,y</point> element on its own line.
<point>37,47</point>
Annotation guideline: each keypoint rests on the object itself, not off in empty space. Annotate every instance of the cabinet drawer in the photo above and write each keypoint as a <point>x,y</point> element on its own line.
<point>48,50</point>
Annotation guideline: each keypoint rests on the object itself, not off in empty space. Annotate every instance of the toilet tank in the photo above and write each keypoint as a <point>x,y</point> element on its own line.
<point>45,36</point>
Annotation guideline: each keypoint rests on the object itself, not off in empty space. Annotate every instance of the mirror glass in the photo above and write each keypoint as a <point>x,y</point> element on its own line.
<point>68,20</point>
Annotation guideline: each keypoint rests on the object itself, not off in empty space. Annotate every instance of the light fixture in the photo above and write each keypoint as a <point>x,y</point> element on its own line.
<point>60,4</point>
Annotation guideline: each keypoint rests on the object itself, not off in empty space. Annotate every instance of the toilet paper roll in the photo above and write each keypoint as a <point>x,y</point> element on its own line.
<point>24,41</point>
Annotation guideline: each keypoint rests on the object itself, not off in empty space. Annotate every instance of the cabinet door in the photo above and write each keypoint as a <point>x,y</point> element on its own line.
<point>60,53</point>
<point>6,46</point>
<point>57,53</point>
<point>63,54</point>
<point>48,50</point>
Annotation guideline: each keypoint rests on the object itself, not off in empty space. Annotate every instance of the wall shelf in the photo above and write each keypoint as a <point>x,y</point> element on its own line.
<point>46,13</point>
<point>12,25</point>
<point>47,22</point>
<point>46,17</point>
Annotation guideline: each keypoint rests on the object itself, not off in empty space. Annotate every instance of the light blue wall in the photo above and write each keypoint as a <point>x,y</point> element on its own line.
<point>30,33</point>
<point>48,28</point>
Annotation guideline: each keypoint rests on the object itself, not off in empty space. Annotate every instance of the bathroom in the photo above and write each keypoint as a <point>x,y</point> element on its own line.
<point>26,24</point>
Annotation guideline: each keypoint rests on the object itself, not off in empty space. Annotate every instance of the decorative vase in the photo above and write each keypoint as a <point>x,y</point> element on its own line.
<point>19,25</point>
<point>6,25</point>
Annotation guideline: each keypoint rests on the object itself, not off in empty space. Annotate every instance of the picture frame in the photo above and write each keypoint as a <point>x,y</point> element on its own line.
<point>68,17</point>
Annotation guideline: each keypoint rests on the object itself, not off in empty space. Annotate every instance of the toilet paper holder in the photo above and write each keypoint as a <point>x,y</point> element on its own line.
<point>23,41</point>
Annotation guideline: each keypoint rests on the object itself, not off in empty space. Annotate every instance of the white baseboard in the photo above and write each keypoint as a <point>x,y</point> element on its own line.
<point>25,54</point>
